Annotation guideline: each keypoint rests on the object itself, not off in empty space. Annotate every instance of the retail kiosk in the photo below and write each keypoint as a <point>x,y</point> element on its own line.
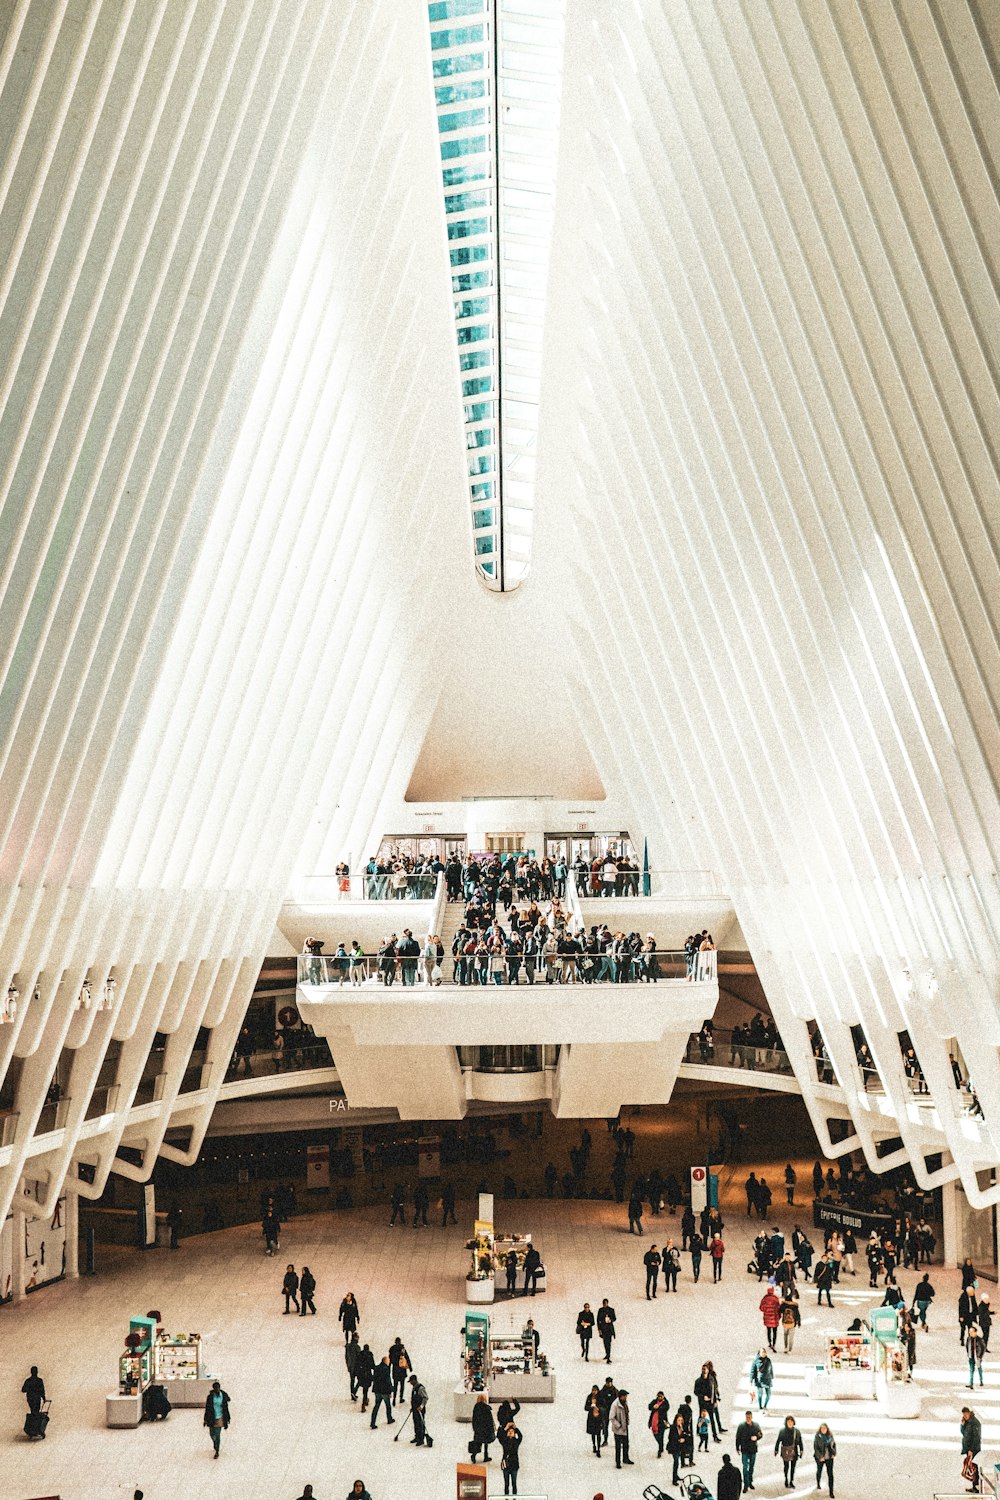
<point>868,1365</point>
<point>502,1367</point>
<point>154,1357</point>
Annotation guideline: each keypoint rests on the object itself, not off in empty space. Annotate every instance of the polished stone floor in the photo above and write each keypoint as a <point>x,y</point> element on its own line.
<point>293,1421</point>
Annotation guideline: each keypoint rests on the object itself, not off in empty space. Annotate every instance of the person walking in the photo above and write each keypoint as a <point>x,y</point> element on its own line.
<point>418,1411</point>
<point>448,1204</point>
<point>307,1288</point>
<point>677,1443</point>
<point>659,1416</point>
<point>351,1352</point>
<point>789,1445</point>
<point>717,1250</point>
<point>594,1424</point>
<point>791,1319</point>
<point>510,1441</point>
<point>349,1315</point>
<point>685,1412</point>
<point>770,1310</point>
<point>270,1228</point>
<point>696,1245</point>
<point>421,1203</point>
<point>358,1491</point>
<point>762,1378</point>
<point>175,1214</point>
<point>922,1299</point>
<point>606,1328</point>
<point>748,1436</point>
<point>585,1329</point>
<point>364,1371</point>
<point>217,1414</point>
<point>651,1260</point>
<point>290,1288</point>
<point>399,1364</point>
<point>635,1213</point>
<point>975,1348</point>
<point>823,1280</point>
<point>382,1389</point>
<point>33,1390</point>
<point>972,1442</point>
<point>824,1452</point>
<point>484,1429</point>
<point>398,1206</point>
<point>728,1484</point>
<point>619,1420</point>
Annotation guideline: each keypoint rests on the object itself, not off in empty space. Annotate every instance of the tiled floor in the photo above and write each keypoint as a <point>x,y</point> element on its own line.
<point>293,1422</point>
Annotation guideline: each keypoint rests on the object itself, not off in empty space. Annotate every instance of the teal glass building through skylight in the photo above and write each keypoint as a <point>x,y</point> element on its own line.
<point>497,68</point>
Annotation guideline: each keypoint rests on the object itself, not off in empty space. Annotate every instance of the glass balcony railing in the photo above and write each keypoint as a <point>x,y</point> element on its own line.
<point>52,1116</point>
<point>486,968</point>
<point>732,1049</point>
<point>299,1051</point>
<point>383,885</point>
<point>9,1122</point>
<point>103,1101</point>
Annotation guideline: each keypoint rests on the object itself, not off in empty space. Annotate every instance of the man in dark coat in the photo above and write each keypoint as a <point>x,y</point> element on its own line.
<point>351,1352</point>
<point>307,1286</point>
<point>382,1387</point>
<point>729,1483</point>
<point>33,1390</point>
<point>606,1328</point>
<point>364,1374</point>
<point>651,1260</point>
<point>290,1288</point>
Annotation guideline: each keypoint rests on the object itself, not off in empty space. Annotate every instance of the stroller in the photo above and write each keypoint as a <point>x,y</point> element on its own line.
<point>692,1487</point>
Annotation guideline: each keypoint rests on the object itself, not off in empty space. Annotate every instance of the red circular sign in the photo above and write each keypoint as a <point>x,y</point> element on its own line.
<point>698,1174</point>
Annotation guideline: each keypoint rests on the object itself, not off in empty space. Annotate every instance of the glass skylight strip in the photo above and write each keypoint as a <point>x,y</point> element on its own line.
<point>507,156</point>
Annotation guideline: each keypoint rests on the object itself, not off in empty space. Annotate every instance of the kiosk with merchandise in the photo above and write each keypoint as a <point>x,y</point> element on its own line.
<point>846,1373</point>
<point>500,1366</point>
<point>154,1357</point>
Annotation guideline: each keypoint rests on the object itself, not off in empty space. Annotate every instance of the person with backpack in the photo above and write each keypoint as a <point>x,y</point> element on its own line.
<point>791,1319</point>
<point>789,1445</point>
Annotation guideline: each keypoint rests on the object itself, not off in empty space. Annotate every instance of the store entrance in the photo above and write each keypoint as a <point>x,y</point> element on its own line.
<point>419,846</point>
<point>588,846</point>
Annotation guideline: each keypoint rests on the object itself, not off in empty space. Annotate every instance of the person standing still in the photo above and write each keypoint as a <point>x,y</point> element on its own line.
<point>606,1328</point>
<point>307,1287</point>
<point>350,1315</point>
<point>382,1388</point>
<point>510,1441</point>
<point>290,1288</point>
<point>717,1250</point>
<point>790,1180</point>
<point>217,1414</point>
<point>651,1260</point>
<point>619,1420</point>
<point>418,1410</point>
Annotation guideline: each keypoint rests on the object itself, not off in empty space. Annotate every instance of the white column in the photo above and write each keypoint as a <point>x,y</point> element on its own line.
<point>72,1235</point>
<point>17,1270</point>
<point>952,1247</point>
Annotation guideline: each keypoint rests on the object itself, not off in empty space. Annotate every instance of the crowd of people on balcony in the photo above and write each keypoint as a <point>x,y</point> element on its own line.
<point>547,946</point>
<point>506,877</point>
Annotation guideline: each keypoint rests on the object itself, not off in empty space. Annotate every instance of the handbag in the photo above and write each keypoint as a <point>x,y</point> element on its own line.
<point>473,1445</point>
<point>436,974</point>
<point>969,1468</point>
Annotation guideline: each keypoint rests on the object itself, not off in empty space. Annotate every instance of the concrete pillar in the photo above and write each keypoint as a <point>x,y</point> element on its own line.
<point>72,1235</point>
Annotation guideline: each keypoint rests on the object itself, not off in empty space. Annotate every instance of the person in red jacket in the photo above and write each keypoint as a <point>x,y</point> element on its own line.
<point>770,1308</point>
<point>717,1250</point>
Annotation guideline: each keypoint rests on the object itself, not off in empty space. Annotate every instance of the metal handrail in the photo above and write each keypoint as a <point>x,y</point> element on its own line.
<point>583,968</point>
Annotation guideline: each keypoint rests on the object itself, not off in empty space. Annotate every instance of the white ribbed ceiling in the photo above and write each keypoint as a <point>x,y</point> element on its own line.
<point>234,534</point>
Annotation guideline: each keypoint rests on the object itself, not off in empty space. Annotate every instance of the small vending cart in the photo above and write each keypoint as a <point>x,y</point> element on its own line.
<point>847,1371</point>
<point>178,1367</point>
<point>515,1373</point>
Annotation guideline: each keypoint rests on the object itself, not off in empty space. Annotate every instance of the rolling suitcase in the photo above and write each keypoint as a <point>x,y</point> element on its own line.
<point>36,1422</point>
